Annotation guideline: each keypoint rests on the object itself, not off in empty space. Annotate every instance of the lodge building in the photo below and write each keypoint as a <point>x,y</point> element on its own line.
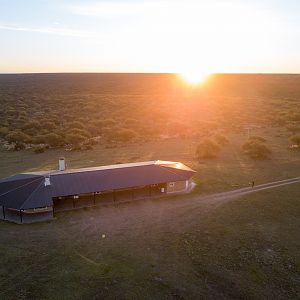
<point>37,196</point>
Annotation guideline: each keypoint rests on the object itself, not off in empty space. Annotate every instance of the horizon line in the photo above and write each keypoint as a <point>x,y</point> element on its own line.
<point>162,73</point>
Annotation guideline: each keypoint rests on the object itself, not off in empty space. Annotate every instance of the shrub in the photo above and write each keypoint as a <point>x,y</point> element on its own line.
<point>295,139</point>
<point>79,132</point>
<point>108,122</point>
<point>292,128</point>
<point>32,124</point>
<point>257,138</point>
<point>76,125</point>
<point>38,150</point>
<point>49,125</point>
<point>177,128</point>
<point>17,136</point>
<point>53,139</point>
<point>3,131</point>
<point>221,140</point>
<point>207,149</point>
<point>19,146</point>
<point>75,139</point>
<point>125,135</point>
<point>130,122</point>
<point>39,139</point>
<point>256,149</point>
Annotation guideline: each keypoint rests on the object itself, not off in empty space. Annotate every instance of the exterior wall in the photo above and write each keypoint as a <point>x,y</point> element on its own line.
<point>12,215</point>
<point>123,195</point>
<point>141,193</point>
<point>1,213</point>
<point>176,187</point>
<point>24,217</point>
<point>104,198</point>
<point>66,203</point>
<point>156,189</point>
<point>37,217</point>
<point>84,200</point>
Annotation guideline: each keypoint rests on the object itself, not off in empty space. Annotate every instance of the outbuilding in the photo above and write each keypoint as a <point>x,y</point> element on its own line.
<point>37,196</point>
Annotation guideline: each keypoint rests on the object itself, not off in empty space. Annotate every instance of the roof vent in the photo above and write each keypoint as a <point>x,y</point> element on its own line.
<point>47,181</point>
<point>61,164</point>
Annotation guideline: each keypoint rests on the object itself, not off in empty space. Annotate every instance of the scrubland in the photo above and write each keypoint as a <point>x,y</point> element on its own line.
<point>168,248</point>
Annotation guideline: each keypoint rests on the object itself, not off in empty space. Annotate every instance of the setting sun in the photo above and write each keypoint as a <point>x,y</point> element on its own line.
<point>194,77</point>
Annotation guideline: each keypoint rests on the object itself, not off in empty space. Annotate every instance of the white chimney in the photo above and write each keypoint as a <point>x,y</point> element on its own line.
<point>61,164</point>
<point>47,181</point>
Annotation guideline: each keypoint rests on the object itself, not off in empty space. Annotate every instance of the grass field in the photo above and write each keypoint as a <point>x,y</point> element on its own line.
<point>159,249</point>
<point>178,247</point>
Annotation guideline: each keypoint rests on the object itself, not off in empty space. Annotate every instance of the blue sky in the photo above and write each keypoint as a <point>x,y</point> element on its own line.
<point>187,36</point>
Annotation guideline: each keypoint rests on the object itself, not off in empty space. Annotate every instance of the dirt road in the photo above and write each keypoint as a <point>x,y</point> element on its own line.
<point>171,213</point>
<point>230,195</point>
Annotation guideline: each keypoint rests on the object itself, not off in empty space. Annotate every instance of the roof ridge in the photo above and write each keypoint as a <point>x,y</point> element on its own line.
<point>96,168</point>
<point>170,171</point>
<point>21,207</point>
<point>20,186</point>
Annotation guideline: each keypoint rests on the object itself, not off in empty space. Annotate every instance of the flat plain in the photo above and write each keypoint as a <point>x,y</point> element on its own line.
<point>178,247</point>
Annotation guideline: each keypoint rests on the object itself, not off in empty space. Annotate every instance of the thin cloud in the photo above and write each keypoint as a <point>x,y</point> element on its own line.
<point>50,30</point>
<point>110,9</point>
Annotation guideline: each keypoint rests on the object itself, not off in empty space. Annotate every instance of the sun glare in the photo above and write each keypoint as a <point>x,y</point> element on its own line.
<point>194,77</point>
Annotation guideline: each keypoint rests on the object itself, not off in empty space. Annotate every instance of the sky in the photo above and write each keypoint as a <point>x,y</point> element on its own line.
<point>169,36</point>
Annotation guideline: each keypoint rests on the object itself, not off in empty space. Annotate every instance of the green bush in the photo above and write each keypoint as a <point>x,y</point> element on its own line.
<point>75,139</point>
<point>19,146</point>
<point>32,124</point>
<point>295,139</point>
<point>256,149</point>
<point>257,138</point>
<point>77,131</point>
<point>53,139</point>
<point>3,131</point>
<point>17,136</point>
<point>38,150</point>
<point>76,125</point>
<point>221,140</point>
<point>125,135</point>
<point>207,149</point>
<point>294,129</point>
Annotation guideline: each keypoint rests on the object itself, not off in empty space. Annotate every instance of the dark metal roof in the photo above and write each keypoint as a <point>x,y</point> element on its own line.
<point>25,191</point>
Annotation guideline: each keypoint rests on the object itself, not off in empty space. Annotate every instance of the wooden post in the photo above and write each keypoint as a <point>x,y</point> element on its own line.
<point>94,198</point>
<point>21,216</point>
<point>3,212</point>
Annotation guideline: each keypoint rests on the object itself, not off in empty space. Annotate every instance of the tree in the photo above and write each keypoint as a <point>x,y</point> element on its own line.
<point>207,149</point>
